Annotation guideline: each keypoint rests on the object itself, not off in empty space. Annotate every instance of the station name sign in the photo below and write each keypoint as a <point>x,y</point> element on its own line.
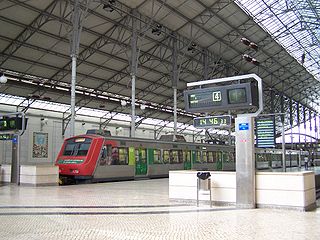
<point>230,97</point>
<point>212,121</point>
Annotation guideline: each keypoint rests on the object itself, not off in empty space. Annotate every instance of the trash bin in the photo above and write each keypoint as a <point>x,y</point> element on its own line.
<point>203,184</point>
<point>204,180</point>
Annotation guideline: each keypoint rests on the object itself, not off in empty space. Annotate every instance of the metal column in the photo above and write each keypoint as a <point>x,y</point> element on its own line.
<point>175,84</point>
<point>245,162</point>
<point>133,76</point>
<point>73,95</point>
<point>75,40</point>
<point>283,137</point>
<point>15,163</point>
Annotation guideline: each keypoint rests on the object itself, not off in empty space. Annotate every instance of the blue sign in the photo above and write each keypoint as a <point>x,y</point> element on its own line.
<point>15,139</point>
<point>243,126</point>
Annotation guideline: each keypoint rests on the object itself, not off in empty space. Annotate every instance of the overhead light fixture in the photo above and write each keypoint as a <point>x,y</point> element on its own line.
<point>250,59</point>
<point>303,57</point>
<point>245,41</point>
<point>34,96</point>
<point>247,57</point>
<point>109,6</point>
<point>250,44</point>
<point>3,78</point>
<point>192,47</point>
<point>157,30</point>
<point>123,103</point>
<point>254,46</point>
<point>142,107</point>
<point>255,62</point>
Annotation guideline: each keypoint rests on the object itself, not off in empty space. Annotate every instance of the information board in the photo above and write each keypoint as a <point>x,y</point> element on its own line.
<point>265,132</point>
<point>230,97</point>
<point>212,121</point>
<point>12,123</point>
<point>6,136</point>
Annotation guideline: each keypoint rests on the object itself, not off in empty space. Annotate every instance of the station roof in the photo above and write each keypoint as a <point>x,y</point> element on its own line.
<point>35,51</point>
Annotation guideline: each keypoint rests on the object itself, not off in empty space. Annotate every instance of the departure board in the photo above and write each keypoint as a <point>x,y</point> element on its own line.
<point>212,121</point>
<point>229,97</point>
<point>13,123</point>
<point>265,132</point>
<point>205,99</point>
<point>6,136</point>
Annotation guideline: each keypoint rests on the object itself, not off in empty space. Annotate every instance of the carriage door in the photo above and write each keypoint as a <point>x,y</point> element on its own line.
<point>186,160</point>
<point>141,161</point>
<point>218,160</point>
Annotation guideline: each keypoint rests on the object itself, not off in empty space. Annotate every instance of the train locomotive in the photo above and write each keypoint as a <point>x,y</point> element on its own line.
<point>97,157</point>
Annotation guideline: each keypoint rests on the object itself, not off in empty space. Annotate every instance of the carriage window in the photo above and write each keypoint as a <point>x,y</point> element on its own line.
<point>180,156</point>
<point>186,156</point>
<point>232,156</point>
<point>204,156</point>
<point>123,156</point>
<point>210,157</point>
<point>115,156</point>
<point>75,147</point>
<point>225,157</point>
<point>156,155</point>
<point>166,156</point>
<point>173,155</point>
<point>198,156</point>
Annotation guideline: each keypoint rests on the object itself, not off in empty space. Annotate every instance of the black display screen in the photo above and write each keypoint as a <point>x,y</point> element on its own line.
<point>14,123</point>
<point>237,95</point>
<point>205,99</point>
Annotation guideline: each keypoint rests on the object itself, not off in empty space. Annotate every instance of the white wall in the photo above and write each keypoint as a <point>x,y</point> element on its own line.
<point>53,126</point>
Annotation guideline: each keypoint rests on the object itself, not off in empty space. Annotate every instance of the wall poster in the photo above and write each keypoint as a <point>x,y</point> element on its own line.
<point>40,145</point>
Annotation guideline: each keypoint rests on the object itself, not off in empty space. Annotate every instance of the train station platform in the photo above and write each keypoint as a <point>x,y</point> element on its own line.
<point>138,210</point>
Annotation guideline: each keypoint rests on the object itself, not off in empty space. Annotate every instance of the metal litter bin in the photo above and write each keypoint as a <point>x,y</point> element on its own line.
<point>203,185</point>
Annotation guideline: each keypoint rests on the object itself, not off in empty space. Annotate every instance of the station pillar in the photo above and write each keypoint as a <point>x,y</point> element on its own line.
<point>245,162</point>
<point>15,162</point>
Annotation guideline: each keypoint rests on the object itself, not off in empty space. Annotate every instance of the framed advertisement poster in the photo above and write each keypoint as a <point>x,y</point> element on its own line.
<point>40,145</point>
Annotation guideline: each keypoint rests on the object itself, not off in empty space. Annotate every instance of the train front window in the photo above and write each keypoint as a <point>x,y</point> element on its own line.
<point>77,147</point>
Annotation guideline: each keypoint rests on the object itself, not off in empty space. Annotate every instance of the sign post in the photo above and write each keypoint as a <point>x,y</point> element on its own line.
<point>12,126</point>
<point>235,97</point>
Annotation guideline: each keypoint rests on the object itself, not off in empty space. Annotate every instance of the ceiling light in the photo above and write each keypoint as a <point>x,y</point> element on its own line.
<point>250,44</point>
<point>46,98</point>
<point>142,107</point>
<point>247,57</point>
<point>123,103</point>
<point>109,6</point>
<point>250,59</point>
<point>192,47</point>
<point>3,78</point>
<point>157,30</point>
<point>303,57</point>
<point>255,62</point>
<point>245,41</point>
<point>254,46</point>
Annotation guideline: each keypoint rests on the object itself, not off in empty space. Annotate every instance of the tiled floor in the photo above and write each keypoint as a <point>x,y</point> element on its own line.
<point>138,210</point>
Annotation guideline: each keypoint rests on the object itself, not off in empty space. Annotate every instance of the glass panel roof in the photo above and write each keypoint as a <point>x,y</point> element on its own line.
<point>294,24</point>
